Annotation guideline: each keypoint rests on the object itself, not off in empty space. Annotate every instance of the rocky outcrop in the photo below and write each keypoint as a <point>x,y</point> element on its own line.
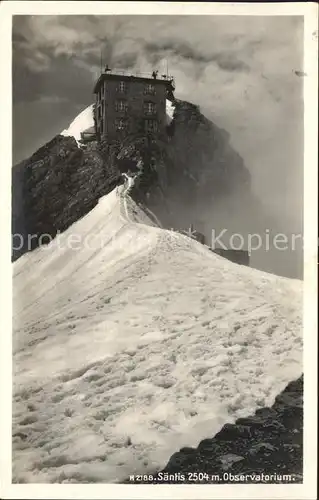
<point>62,182</point>
<point>266,447</point>
<point>196,169</point>
<point>57,186</point>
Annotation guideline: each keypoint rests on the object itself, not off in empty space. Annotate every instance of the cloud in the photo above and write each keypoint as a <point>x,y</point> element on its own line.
<point>240,70</point>
<point>225,60</point>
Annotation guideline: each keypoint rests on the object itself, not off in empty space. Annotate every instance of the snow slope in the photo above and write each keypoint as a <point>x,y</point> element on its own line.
<point>85,120</point>
<point>82,122</point>
<point>127,350</point>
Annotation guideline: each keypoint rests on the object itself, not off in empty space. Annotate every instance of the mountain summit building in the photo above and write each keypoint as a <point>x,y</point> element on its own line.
<point>128,104</point>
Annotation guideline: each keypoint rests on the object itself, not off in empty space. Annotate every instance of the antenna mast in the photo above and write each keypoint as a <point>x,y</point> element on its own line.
<point>101,61</point>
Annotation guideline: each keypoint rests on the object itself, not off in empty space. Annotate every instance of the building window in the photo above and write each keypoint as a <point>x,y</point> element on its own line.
<point>149,89</point>
<point>101,93</point>
<point>122,87</point>
<point>121,124</point>
<point>99,111</point>
<point>151,126</point>
<point>121,105</point>
<point>149,108</point>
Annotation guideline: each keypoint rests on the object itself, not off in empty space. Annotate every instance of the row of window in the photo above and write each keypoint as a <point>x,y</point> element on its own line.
<point>122,106</point>
<point>149,88</point>
<point>151,126</point>
<point>122,124</point>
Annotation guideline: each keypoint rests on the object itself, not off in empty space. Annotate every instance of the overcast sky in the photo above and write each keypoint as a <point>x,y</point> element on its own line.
<point>240,70</point>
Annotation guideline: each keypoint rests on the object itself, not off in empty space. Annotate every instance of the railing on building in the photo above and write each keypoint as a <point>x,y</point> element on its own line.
<point>120,72</point>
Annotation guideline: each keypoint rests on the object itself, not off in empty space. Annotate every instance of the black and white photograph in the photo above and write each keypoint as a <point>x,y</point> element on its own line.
<point>158,213</point>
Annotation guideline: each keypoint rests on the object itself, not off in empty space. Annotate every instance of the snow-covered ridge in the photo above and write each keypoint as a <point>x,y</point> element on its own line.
<point>85,120</point>
<point>82,122</point>
<point>139,342</point>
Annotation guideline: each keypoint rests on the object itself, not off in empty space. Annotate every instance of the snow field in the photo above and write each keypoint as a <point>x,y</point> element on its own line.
<point>125,353</point>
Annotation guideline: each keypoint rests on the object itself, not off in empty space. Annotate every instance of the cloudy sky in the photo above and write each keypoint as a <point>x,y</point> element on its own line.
<point>240,70</point>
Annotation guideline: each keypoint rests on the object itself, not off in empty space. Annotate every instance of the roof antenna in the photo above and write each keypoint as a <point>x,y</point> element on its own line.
<point>101,60</point>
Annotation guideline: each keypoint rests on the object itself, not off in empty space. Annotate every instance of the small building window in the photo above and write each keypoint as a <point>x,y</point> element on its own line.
<point>121,124</point>
<point>151,126</point>
<point>99,111</point>
<point>122,87</point>
<point>149,89</point>
<point>101,93</point>
<point>121,105</point>
<point>149,108</point>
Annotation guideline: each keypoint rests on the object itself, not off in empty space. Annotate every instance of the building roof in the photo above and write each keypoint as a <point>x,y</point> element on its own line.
<point>126,76</point>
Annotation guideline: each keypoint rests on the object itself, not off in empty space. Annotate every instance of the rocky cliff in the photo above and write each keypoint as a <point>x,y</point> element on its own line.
<point>62,181</point>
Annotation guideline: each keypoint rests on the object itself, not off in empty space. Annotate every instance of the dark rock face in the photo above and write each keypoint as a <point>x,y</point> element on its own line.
<point>62,182</point>
<point>196,168</point>
<point>268,443</point>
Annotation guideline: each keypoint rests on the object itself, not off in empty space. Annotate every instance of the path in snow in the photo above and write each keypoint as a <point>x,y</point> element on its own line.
<point>126,352</point>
